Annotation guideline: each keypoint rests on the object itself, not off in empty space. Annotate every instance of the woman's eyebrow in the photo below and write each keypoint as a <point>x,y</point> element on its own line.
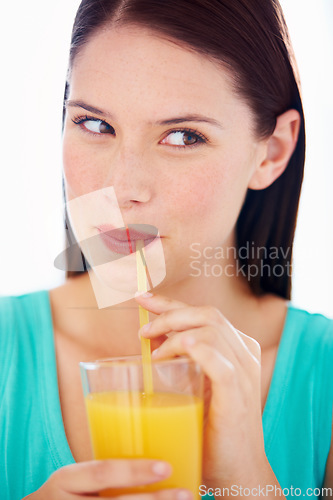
<point>87,107</point>
<point>190,118</point>
<point>169,121</point>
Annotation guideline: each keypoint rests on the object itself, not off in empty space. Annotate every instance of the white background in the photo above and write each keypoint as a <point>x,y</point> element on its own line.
<point>35,38</point>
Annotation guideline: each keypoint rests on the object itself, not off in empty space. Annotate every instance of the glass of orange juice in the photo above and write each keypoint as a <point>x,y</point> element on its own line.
<point>166,424</point>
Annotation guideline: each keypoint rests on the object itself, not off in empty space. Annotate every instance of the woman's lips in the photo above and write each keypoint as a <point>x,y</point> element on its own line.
<point>123,240</point>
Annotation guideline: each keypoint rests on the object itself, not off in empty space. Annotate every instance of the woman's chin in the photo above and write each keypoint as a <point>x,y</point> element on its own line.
<point>116,282</point>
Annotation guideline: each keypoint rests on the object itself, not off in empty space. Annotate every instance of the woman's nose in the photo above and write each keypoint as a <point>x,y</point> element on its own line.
<point>130,175</point>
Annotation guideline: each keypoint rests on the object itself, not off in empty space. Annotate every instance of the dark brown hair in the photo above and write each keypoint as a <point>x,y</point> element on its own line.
<point>250,38</point>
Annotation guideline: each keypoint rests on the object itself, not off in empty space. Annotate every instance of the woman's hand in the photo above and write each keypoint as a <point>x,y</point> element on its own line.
<point>233,437</point>
<point>86,479</point>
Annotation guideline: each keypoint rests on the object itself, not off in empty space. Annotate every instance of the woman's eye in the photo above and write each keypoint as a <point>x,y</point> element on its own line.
<point>182,138</point>
<point>98,127</point>
<point>94,126</point>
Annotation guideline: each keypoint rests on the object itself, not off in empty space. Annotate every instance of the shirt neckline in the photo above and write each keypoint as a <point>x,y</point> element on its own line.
<point>277,390</point>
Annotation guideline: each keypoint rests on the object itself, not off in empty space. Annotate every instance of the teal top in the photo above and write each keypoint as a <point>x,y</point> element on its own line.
<point>297,418</point>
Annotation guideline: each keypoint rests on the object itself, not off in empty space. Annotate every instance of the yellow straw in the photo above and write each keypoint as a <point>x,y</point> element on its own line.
<point>144,318</point>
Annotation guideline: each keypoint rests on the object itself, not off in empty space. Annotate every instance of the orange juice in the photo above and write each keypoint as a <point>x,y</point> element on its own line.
<point>161,426</point>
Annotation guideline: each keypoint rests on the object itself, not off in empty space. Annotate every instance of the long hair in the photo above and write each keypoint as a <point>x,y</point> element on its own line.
<point>250,38</point>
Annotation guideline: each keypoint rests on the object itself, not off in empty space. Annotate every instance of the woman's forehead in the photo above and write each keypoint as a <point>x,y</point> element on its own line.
<point>137,53</point>
<point>141,67</point>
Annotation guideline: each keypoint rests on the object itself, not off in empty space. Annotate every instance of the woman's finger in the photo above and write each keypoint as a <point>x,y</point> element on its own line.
<point>181,319</point>
<point>184,319</point>
<point>176,316</point>
<point>220,371</point>
<point>166,494</point>
<point>177,345</point>
<point>158,303</point>
<point>171,494</point>
<point>96,475</point>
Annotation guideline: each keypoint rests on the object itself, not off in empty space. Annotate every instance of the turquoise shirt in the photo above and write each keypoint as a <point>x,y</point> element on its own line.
<point>297,418</point>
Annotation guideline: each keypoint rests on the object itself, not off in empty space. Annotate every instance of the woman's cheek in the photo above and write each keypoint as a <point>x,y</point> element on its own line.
<point>209,201</point>
<point>81,174</point>
<point>200,191</point>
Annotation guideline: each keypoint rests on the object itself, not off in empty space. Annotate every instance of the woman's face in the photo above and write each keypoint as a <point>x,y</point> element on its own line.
<point>169,144</point>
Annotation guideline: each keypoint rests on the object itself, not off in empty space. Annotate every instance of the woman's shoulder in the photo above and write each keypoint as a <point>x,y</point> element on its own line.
<point>307,345</point>
<point>17,298</point>
<point>12,307</point>
<point>310,325</point>
<point>310,314</point>
<point>20,315</point>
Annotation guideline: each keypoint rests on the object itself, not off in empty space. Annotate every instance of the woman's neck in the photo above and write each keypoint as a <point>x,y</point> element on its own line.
<point>113,331</point>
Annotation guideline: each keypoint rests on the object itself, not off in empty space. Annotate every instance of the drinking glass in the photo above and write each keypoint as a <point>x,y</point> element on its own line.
<point>127,422</point>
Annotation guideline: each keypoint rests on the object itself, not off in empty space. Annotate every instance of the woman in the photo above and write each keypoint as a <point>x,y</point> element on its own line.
<point>185,116</point>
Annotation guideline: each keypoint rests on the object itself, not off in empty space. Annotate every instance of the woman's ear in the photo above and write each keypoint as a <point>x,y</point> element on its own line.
<point>278,150</point>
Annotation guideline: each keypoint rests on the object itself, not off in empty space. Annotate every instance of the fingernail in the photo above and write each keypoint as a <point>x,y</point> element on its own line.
<point>189,341</point>
<point>145,328</point>
<point>184,495</point>
<point>160,468</point>
<point>145,295</point>
<point>154,353</point>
